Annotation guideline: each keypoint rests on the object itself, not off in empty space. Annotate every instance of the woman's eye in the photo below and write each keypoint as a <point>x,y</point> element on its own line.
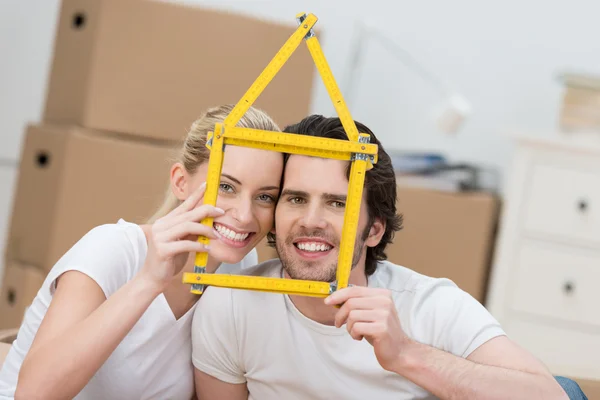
<point>266,198</point>
<point>225,187</point>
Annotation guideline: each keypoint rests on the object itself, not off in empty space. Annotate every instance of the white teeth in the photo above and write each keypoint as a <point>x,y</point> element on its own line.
<point>228,233</point>
<point>313,246</point>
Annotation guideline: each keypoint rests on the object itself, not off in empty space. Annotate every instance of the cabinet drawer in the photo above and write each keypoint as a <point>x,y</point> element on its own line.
<point>564,202</point>
<point>558,282</point>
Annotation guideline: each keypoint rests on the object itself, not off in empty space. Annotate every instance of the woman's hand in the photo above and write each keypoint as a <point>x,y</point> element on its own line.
<point>175,236</point>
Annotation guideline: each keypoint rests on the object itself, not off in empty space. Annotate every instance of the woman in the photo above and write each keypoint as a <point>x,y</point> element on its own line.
<point>112,320</point>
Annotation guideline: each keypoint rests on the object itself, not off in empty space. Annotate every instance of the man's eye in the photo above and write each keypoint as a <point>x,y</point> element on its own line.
<point>225,187</point>
<point>339,204</point>
<point>296,200</point>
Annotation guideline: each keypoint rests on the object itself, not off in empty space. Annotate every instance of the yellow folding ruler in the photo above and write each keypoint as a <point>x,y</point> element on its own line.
<point>357,150</point>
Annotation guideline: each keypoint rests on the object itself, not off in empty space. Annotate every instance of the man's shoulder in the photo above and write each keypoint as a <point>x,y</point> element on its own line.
<point>401,279</point>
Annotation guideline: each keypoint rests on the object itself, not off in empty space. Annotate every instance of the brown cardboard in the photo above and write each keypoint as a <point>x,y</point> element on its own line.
<point>72,179</point>
<point>150,68</point>
<point>589,387</point>
<point>265,252</point>
<point>447,234</point>
<point>19,287</point>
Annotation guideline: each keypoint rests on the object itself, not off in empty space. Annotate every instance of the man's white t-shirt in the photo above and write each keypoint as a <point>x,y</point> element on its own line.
<point>264,340</point>
<point>154,360</point>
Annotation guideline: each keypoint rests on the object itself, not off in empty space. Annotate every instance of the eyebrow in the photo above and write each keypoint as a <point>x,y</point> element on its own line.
<point>236,181</point>
<point>325,196</point>
<point>335,197</point>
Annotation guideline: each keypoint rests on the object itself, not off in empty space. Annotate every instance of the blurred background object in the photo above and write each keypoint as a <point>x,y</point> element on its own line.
<point>492,123</point>
<point>581,102</point>
<point>452,110</point>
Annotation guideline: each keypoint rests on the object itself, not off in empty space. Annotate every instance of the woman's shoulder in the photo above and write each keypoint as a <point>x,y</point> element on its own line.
<point>111,254</point>
<point>122,239</point>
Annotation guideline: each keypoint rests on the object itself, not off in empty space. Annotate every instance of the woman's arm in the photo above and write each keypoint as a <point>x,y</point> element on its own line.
<point>82,328</point>
<point>79,332</point>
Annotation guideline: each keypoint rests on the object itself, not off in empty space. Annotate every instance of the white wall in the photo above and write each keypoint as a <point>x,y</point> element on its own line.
<point>503,56</point>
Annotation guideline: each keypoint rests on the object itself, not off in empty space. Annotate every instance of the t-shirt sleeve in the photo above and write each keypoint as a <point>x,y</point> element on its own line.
<point>215,348</point>
<point>106,254</point>
<point>446,317</point>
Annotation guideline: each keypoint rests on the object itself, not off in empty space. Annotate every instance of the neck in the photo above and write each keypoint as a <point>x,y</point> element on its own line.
<point>314,307</point>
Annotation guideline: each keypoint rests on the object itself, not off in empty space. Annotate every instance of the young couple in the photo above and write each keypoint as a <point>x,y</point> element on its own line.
<point>113,319</point>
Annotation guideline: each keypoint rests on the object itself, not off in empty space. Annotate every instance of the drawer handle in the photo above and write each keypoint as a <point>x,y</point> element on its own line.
<point>569,287</point>
<point>582,205</point>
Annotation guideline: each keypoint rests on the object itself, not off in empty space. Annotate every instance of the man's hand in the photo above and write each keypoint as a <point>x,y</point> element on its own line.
<point>371,313</point>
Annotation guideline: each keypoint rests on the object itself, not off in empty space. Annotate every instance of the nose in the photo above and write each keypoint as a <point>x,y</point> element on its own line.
<point>313,218</point>
<point>242,211</point>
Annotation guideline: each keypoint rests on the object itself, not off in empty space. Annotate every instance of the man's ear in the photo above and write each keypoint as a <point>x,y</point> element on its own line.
<point>375,233</point>
<point>179,181</point>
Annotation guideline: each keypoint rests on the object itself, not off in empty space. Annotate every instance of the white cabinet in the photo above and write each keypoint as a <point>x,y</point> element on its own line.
<point>545,281</point>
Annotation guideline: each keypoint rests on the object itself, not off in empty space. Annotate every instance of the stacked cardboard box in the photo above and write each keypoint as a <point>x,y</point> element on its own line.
<point>447,235</point>
<point>128,78</point>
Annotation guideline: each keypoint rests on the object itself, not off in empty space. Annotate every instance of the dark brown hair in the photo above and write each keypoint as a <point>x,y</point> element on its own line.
<point>380,182</point>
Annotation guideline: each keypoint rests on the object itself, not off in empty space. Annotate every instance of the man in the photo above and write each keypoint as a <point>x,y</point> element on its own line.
<point>397,334</point>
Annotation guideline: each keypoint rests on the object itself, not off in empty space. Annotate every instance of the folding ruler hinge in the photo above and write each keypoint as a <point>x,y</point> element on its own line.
<point>198,288</point>
<point>210,136</point>
<point>363,138</point>
<point>333,287</point>
<point>301,17</point>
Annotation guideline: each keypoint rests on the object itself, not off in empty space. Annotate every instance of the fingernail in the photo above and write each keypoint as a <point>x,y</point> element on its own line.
<point>327,300</point>
<point>220,210</point>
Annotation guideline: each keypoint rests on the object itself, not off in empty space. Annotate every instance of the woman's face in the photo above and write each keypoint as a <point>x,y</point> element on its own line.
<point>248,191</point>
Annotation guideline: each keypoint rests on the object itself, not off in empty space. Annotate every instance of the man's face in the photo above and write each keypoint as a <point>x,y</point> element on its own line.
<point>310,215</point>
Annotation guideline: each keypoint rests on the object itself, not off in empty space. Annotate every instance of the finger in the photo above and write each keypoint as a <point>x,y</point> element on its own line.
<point>183,230</point>
<point>358,303</point>
<point>192,201</point>
<point>357,316</point>
<point>186,246</point>
<point>195,215</point>
<point>342,295</point>
<point>367,330</point>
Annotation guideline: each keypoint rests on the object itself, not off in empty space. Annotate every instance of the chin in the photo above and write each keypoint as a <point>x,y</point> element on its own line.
<point>321,272</point>
<point>226,254</point>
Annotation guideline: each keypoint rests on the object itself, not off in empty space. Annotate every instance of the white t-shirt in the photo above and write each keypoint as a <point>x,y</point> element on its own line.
<point>154,360</point>
<point>263,339</point>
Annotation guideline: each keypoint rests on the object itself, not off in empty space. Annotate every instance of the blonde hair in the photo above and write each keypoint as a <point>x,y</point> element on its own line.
<point>194,151</point>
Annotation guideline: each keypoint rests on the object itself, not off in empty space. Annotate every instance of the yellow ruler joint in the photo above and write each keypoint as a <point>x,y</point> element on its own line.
<point>351,216</point>
<point>270,71</point>
<point>261,284</point>
<point>299,144</point>
<point>332,88</point>
<point>213,179</point>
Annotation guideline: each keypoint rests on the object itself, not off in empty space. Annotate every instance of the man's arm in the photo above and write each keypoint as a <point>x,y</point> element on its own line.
<point>497,369</point>
<point>208,387</point>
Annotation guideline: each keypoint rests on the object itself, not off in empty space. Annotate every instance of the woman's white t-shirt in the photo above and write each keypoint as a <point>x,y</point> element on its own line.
<point>154,360</point>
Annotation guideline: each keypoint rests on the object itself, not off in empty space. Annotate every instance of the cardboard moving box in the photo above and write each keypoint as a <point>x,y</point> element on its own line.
<point>151,67</point>
<point>20,286</point>
<point>265,252</point>
<point>71,180</point>
<point>447,234</point>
